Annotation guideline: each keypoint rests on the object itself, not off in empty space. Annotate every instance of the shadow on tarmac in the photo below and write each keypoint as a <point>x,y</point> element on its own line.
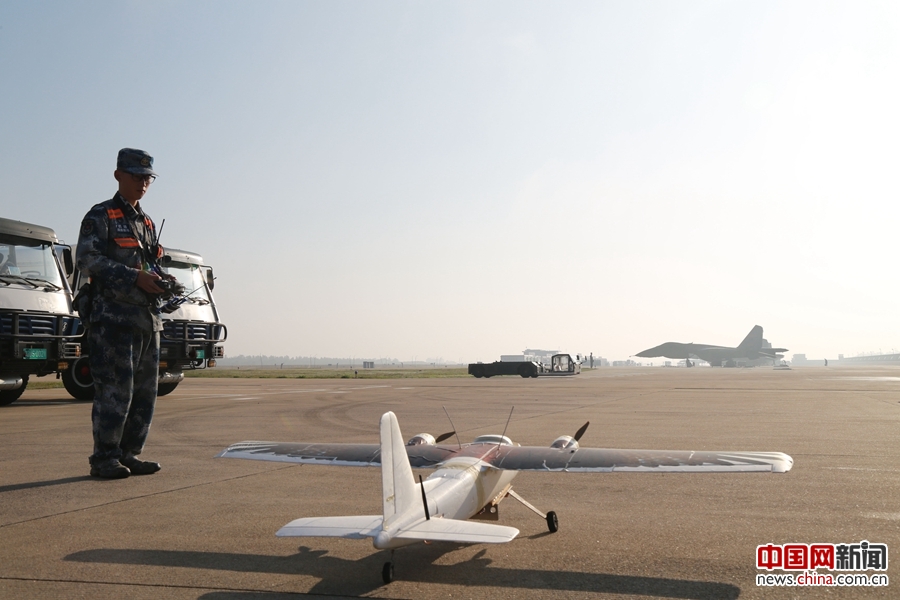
<point>342,577</point>
<point>37,484</point>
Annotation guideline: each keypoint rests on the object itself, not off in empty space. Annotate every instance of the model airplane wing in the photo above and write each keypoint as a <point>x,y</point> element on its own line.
<point>521,458</point>
<point>346,455</point>
<point>585,460</point>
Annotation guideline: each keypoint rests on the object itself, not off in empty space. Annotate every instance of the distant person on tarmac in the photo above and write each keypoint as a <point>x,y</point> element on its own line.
<point>118,250</point>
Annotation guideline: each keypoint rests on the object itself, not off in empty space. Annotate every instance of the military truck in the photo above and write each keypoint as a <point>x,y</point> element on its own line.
<point>192,334</point>
<point>560,364</point>
<point>38,326</point>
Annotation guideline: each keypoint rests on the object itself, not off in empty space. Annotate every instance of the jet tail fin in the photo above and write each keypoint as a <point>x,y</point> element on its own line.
<point>754,339</point>
<point>397,484</point>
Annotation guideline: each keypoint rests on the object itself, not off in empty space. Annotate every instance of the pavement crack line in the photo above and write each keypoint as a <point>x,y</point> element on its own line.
<point>142,496</point>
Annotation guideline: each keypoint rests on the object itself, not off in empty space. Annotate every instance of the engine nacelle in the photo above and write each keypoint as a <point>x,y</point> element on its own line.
<point>420,439</point>
<point>565,442</point>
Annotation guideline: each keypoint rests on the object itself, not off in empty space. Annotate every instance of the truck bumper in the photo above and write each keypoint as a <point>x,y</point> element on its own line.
<point>10,382</point>
<point>171,377</point>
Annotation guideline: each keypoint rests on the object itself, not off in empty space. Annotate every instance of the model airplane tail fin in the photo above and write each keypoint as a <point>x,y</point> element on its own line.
<point>754,339</point>
<point>397,484</point>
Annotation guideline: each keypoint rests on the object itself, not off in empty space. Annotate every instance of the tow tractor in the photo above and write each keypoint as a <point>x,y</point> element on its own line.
<point>559,365</point>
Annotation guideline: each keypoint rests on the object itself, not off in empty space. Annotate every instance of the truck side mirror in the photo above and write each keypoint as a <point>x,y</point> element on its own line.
<point>210,280</point>
<point>68,263</point>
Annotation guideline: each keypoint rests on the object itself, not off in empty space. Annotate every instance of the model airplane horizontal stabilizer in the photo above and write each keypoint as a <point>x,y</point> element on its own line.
<point>356,527</point>
<point>361,527</point>
<point>454,530</point>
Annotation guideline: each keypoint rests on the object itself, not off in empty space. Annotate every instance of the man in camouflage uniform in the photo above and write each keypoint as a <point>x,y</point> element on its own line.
<point>117,247</point>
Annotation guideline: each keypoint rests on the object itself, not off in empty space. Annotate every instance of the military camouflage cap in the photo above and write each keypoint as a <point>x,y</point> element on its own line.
<point>135,161</point>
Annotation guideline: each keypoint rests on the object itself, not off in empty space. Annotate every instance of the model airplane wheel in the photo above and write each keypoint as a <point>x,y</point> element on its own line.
<point>387,572</point>
<point>552,522</point>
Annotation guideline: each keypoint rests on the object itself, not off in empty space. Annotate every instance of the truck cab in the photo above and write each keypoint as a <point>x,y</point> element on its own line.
<point>192,334</point>
<point>38,327</point>
<point>564,364</point>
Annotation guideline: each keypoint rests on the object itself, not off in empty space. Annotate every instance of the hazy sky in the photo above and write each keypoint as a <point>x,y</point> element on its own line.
<point>460,180</point>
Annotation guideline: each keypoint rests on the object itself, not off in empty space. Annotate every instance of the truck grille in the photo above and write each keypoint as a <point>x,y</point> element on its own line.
<point>20,330</point>
<point>191,331</point>
<point>71,350</point>
<point>30,325</point>
<point>35,325</point>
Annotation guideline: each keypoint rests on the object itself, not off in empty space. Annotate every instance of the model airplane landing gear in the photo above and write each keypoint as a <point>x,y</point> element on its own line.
<point>387,571</point>
<point>552,522</point>
<point>550,517</point>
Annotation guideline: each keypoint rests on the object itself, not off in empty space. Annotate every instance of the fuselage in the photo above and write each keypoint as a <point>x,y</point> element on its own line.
<point>459,489</point>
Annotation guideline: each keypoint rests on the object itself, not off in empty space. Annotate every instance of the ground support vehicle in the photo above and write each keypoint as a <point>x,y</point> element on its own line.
<point>38,326</point>
<point>192,334</point>
<point>560,364</point>
<point>525,368</point>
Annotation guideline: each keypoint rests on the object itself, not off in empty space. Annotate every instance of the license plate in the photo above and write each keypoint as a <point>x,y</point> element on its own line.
<point>201,353</point>
<point>36,353</point>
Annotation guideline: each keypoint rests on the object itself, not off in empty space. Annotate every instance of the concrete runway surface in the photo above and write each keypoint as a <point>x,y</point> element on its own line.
<point>205,528</point>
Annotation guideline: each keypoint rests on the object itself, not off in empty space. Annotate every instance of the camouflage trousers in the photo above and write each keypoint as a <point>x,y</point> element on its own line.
<point>125,367</point>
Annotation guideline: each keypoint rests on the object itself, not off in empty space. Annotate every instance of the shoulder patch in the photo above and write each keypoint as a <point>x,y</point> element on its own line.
<point>86,227</point>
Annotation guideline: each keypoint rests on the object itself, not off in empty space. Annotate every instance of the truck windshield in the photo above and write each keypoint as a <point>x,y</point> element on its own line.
<point>22,258</point>
<point>191,277</point>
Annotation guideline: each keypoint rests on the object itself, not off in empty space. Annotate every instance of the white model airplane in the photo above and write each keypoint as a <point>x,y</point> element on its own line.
<point>470,481</point>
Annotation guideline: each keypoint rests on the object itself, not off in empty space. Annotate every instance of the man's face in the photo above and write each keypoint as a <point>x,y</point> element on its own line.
<point>132,187</point>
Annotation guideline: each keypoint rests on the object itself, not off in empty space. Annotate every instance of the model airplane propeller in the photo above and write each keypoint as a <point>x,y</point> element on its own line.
<point>469,481</point>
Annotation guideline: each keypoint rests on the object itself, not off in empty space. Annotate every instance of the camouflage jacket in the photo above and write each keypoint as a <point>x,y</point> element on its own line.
<point>111,250</point>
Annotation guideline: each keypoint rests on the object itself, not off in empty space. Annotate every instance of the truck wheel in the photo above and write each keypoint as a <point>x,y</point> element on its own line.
<point>164,389</point>
<point>478,372</point>
<point>525,371</point>
<point>78,381</point>
<point>10,396</point>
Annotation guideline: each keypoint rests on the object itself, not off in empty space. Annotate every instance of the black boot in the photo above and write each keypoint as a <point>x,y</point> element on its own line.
<point>139,467</point>
<point>109,469</point>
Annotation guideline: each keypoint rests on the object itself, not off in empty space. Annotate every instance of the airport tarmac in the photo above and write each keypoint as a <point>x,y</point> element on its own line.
<point>205,528</point>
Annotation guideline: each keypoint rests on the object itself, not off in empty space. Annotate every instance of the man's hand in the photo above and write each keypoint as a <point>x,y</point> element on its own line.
<point>179,288</point>
<point>147,282</point>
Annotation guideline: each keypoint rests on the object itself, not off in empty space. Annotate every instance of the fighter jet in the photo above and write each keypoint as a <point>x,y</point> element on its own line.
<point>470,480</point>
<point>753,347</point>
